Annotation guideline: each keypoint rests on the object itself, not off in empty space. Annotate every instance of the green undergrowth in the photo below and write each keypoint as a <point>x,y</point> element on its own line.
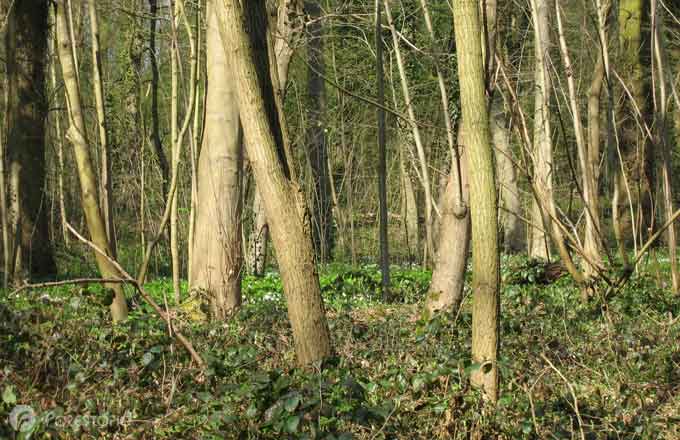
<point>393,376</point>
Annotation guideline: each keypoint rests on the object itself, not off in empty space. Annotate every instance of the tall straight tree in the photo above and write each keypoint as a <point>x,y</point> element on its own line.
<point>77,135</point>
<point>265,140</point>
<point>483,203</point>
<point>316,137</point>
<point>539,237</point>
<point>382,152</point>
<point>217,257</point>
<point>26,43</point>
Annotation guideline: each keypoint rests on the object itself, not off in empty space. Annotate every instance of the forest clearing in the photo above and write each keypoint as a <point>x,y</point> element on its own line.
<point>334,220</point>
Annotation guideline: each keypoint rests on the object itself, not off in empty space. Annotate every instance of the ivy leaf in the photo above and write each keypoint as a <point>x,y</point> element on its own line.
<point>292,403</point>
<point>292,424</point>
<point>8,396</point>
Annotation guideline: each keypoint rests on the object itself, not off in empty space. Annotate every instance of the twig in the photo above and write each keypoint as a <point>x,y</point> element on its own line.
<point>573,395</point>
<point>127,277</point>
<point>68,282</point>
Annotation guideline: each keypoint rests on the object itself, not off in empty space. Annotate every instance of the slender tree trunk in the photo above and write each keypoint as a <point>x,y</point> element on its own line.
<point>409,206</point>
<point>26,43</point>
<point>382,154</point>
<point>105,176</point>
<point>155,81</point>
<point>174,150</point>
<point>283,201</point>
<point>484,211</point>
<point>88,184</point>
<point>217,249</point>
<point>424,172</point>
<point>539,242</point>
<point>662,138</point>
<point>195,141</point>
<point>322,220</point>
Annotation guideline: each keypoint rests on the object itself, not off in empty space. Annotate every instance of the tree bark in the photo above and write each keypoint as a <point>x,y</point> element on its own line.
<point>284,203</point>
<point>539,242</point>
<point>105,180</point>
<point>216,262</point>
<point>484,210</point>
<point>322,219</point>
<point>29,243</point>
<point>88,184</point>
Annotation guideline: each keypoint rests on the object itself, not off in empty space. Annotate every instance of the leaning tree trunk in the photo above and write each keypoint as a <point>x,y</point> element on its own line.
<point>26,43</point>
<point>88,183</point>
<point>284,203</point>
<point>539,241</point>
<point>483,207</point>
<point>288,31</point>
<point>216,261</point>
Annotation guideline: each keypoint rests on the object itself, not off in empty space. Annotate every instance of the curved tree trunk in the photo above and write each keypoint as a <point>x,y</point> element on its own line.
<point>26,44</point>
<point>283,201</point>
<point>216,261</point>
<point>88,183</point>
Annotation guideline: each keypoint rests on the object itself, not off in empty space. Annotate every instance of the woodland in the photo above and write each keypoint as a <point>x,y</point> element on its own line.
<point>339,219</point>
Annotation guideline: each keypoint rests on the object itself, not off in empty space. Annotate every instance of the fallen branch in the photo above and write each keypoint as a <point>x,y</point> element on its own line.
<point>571,391</point>
<point>132,281</point>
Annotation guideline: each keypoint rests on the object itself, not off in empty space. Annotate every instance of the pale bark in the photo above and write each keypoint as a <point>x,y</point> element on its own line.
<point>483,207</point>
<point>662,138</point>
<point>288,32</point>
<point>448,277</point>
<point>174,150</point>
<point>283,201</point>
<point>216,261</point>
<point>88,184</point>
<point>510,204</point>
<point>409,206</point>
<point>539,243</point>
<point>105,180</point>
<point>382,155</point>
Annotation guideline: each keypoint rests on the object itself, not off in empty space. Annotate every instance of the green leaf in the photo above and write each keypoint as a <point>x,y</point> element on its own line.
<point>473,368</point>
<point>292,424</point>
<point>8,396</point>
<point>292,403</point>
<point>147,358</point>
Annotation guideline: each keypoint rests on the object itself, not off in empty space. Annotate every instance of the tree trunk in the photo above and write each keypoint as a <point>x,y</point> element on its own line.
<point>382,155</point>
<point>448,277</point>
<point>217,247</point>
<point>283,201</point>
<point>288,32</point>
<point>484,211</point>
<point>508,190</point>
<point>409,206</point>
<point>88,184</point>
<point>539,242</point>
<point>175,150</point>
<point>322,220</point>
<point>105,175</point>
<point>155,121</point>
<point>26,43</point>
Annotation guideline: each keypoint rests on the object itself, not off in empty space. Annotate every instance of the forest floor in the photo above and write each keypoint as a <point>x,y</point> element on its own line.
<point>568,370</point>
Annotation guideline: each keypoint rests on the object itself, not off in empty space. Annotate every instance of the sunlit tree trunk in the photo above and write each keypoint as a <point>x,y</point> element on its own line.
<point>288,32</point>
<point>284,203</point>
<point>539,241</point>
<point>29,243</point>
<point>216,251</point>
<point>105,174</point>
<point>88,184</point>
<point>483,207</point>
<point>174,150</point>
